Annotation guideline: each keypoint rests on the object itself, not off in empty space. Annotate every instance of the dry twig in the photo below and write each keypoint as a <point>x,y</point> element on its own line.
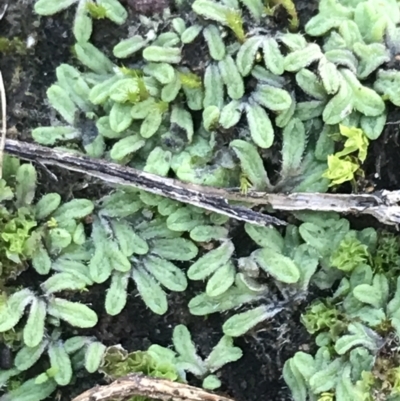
<point>383,205</point>
<point>197,195</point>
<point>3,121</point>
<point>140,385</point>
<point>3,11</point>
<point>3,108</point>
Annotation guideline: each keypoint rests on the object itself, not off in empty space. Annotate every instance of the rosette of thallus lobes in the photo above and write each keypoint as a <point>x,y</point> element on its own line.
<point>35,233</point>
<point>125,235</point>
<point>257,98</point>
<point>144,105</point>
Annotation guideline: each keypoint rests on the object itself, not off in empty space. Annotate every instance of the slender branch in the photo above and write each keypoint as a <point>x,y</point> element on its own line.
<point>383,205</point>
<point>140,385</point>
<point>3,122</point>
<point>3,11</point>
<point>203,197</point>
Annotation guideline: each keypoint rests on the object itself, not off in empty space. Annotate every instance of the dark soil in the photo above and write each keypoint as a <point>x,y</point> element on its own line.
<point>382,166</point>
<point>27,74</point>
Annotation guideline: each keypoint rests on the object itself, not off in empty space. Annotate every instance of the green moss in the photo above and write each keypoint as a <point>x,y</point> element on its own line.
<point>350,253</point>
<point>290,8</point>
<point>16,241</point>
<point>12,46</point>
<point>320,316</point>
<point>387,255</point>
<point>118,363</point>
<point>96,11</point>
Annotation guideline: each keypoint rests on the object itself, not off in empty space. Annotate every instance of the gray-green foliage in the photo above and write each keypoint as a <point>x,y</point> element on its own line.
<point>40,230</point>
<point>186,358</point>
<point>315,252</point>
<point>137,111</point>
<point>353,325</point>
<point>64,356</point>
<point>85,11</point>
<point>147,112</point>
<point>133,240</point>
<point>133,235</point>
<point>31,390</point>
<point>358,39</point>
<point>142,105</point>
<point>74,313</point>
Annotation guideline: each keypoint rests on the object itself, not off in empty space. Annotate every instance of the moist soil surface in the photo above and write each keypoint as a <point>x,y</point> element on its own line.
<point>27,73</point>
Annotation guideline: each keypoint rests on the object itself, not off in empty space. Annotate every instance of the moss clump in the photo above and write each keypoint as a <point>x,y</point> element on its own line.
<point>12,46</point>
